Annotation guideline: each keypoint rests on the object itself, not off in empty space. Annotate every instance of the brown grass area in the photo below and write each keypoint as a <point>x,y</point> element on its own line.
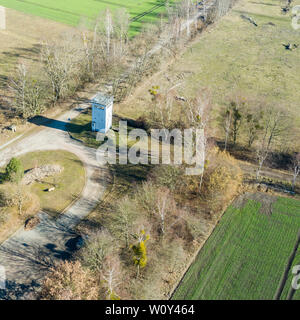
<point>20,43</point>
<point>13,221</point>
<point>22,38</point>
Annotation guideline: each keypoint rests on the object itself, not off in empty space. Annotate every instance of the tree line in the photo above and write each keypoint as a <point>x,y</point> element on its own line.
<point>106,53</point>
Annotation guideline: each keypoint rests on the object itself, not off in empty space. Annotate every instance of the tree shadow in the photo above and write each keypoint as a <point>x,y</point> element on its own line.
<point>56,124</point>
<point>2,177</point>
<point>16,291</point>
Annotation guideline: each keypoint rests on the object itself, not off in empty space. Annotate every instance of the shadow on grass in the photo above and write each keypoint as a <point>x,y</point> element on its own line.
<point>129,175</point>
<point>16,291</point>
<point>56,124</point>
<point>265,4</point>
<point>2,177</point>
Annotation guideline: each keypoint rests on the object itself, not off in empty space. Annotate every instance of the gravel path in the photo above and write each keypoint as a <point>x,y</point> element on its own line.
<point>27,255</point>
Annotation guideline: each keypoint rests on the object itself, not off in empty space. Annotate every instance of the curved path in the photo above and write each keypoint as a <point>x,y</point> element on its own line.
<point>27,255</point>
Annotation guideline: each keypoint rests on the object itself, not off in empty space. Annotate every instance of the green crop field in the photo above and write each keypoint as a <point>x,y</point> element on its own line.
<point>72,11</point>
<point>246,254</point>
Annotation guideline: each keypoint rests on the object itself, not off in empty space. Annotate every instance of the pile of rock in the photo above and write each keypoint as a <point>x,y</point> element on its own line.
<point>31,222</point>
<point>40,173</point>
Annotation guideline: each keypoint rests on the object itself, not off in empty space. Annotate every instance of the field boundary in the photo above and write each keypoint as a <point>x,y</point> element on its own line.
<point>194,256</point>
<point>143,14</point>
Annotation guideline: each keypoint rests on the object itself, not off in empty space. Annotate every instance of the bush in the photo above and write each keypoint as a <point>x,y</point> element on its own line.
<point>5,198</point>
<point>222,179</point>
<point>3,216</point>
<point>19,198</point>
<point>14,171</point>
<point>69,281</point>
<point>168,176</point>
<point>97,248</point>
<point>146,197</point>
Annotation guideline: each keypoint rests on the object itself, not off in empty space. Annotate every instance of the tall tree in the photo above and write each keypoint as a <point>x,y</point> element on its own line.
<point>274,125</point>
<point>61,65</point>
<point>112,276</point>
<point>295,168</point>
<point>236,120</point>
<point>28,93</point>
<point>198,115</point>
<point>14,170</point>
<point>252,126</point>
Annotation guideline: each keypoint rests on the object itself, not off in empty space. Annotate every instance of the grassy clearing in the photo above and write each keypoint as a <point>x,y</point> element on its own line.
<point>69,183</point>
<point>235,56</point>
<point>247,252</point>
<point>72,12</point>
<point>20,42</point>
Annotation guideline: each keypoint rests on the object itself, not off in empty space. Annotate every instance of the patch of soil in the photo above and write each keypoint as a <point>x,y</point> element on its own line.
<point>266,201</point>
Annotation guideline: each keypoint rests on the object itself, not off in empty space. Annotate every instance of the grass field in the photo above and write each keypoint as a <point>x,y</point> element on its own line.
<point>72,11</point>
<point>235,56</point>
<point>21,41</point>
<point>69,183</point>
<point>246,254</point>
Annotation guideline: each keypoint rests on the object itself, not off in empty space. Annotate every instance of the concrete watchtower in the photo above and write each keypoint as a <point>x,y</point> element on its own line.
<point>102,109</point>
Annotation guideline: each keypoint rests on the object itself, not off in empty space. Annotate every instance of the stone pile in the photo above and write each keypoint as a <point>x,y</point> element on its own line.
<point>42,172</point>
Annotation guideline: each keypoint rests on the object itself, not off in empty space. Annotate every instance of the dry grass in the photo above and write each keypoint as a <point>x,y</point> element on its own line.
<point>20,43</point>
<point>21,40</point>
<point>234,56</point>
<point>69,183</point>
<point>11,221</point>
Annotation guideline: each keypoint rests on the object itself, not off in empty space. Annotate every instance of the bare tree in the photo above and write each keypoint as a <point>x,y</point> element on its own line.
<point>226,123</point>
<point>167,211</point>
<point>295,168</point>
<point>186,6</point>
<point>252,125</point>
<point>122,29</point>
<point>162,114</point>
<point>112,276</point>
<point>61,63</point>
<point>18,87</point>
<point>275,124</point>
<point>223,6</point>
<point>236,120</point>
<point>21,195</point>
<point>97,248</point>
<point>108,30</point>
<point>163,203</point>
<point>198,115</point>
<point>28,93</point>
<point>122,222</point>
